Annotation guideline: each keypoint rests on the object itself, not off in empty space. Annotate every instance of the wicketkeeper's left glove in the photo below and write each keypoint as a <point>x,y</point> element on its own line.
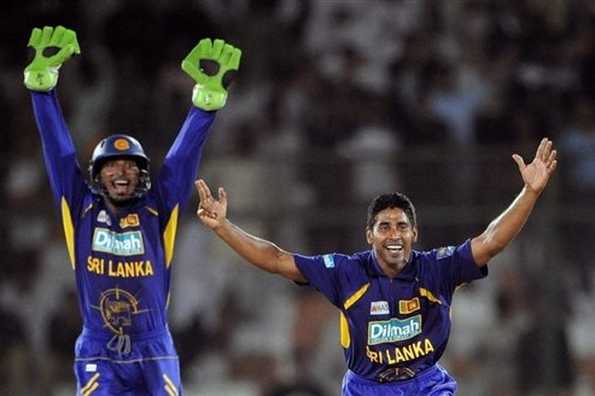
<point>212,65</point>
<point>42,73</point>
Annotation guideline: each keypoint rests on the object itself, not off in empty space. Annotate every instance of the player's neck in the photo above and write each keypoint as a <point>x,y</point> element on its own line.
<point>117,206</point>
<point>390,270</point>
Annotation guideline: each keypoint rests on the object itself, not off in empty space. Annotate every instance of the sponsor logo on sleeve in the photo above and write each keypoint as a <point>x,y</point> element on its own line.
<point>120,244</point>
<point>393,330</point>
<point>445,252</point>
<point>329,261</point>
<point>379,308</point>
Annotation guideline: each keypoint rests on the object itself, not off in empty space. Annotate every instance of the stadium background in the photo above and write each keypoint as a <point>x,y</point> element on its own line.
<point>336,101</point>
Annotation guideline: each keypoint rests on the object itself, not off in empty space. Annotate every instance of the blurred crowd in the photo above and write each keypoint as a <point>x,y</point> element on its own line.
<point>336,101</point>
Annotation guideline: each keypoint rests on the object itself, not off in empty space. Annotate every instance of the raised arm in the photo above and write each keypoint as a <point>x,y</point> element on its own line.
<point>211,64</point>
<point>258,252</point>
<point>41,77</point>
<point>502,230</point>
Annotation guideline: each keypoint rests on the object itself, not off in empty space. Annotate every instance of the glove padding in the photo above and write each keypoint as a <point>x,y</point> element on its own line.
<point>212,65</point>
<point>42,73</point>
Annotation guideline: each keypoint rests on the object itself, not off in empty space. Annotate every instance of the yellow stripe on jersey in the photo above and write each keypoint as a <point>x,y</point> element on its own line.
<point>90,386</point>
<point>91,390</point>
<point>345,337</point>
<point>169,386</point>
<point>68,230</point>
<point>428,294</point>
<point>168,390</point>
<point>169,236</point>
<point>154,212</point>
<point>356,296</point>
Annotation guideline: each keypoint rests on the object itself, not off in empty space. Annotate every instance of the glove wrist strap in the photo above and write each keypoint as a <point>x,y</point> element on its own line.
<point>207,99</point>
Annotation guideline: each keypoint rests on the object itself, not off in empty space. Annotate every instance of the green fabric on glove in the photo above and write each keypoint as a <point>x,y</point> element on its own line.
<point>209,92</point>
<point>42,73</point>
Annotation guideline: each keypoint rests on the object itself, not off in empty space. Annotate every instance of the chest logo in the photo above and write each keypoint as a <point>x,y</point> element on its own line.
<point>393,330</point>
<point>409,306</point>
<point>124,244</point>
<point>118,309</point>
<point>379,308</point>
<point>103,217</point>
<point>131,220</point>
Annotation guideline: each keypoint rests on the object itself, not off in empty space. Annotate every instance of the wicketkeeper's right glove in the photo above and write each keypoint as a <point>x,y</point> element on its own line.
<point>42,73</point>
<point>212,65</point>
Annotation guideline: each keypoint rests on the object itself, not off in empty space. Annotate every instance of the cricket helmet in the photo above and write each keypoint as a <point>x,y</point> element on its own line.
<point>119,146</point>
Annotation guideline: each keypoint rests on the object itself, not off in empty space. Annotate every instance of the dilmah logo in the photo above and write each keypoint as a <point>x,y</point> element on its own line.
<point>90,367</point>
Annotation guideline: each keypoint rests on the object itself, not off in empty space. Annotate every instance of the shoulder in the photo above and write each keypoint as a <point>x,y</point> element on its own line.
<point>444,253</point>
<point>335,262</point>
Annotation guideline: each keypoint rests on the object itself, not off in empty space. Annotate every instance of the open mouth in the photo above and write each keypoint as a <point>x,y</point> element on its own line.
<point>121,186</point>
<point>395,248</point>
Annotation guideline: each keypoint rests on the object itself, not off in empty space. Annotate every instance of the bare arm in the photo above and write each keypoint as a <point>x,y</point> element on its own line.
<point>502,230</point>
<point>258,252</point>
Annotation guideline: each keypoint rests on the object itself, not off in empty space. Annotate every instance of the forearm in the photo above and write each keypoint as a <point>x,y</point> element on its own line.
<point>181,163</point>
<point>55,136</point>
<point>259,252</point>
<point>503,229</point>
<point>57,147</point>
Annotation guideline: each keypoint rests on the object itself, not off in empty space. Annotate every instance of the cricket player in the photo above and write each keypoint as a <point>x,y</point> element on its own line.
<point>394,301</point>
<point>120,225</point>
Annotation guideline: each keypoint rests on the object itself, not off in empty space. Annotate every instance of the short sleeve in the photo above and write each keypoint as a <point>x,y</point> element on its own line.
<point>323,273</point>
<point>457,266</point>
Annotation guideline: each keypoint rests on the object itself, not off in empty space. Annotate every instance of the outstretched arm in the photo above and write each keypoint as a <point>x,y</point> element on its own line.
<point>502,230</point>
<point>259,252</point>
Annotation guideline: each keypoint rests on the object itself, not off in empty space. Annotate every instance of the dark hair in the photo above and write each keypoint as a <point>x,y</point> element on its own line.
<point>392,200</point>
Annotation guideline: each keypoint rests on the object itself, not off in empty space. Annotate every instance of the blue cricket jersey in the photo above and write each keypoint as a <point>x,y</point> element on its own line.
<point>386,323</point>
<point>122,260</point>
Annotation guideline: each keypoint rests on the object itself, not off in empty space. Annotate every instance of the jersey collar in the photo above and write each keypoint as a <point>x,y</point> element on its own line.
<point>408,273</point>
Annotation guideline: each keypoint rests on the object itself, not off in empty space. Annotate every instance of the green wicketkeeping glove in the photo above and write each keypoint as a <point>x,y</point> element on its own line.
<point>212,65</point>
<point>42,72</point>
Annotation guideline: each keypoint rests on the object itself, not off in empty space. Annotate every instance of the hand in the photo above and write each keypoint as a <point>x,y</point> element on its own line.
<point>537,174</point>
<point>211,211</point>
<point>212,65</point>
<point>42,73</point>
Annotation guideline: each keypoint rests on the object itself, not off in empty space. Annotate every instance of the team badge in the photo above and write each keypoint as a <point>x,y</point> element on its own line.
<point>409,306</point>
<point>103,217</point>
<point>131,220</point>
<point>379,308</point>
<point>121,144</point>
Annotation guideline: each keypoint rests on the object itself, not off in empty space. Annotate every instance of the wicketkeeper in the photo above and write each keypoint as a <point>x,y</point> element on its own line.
<point>120,225</point>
